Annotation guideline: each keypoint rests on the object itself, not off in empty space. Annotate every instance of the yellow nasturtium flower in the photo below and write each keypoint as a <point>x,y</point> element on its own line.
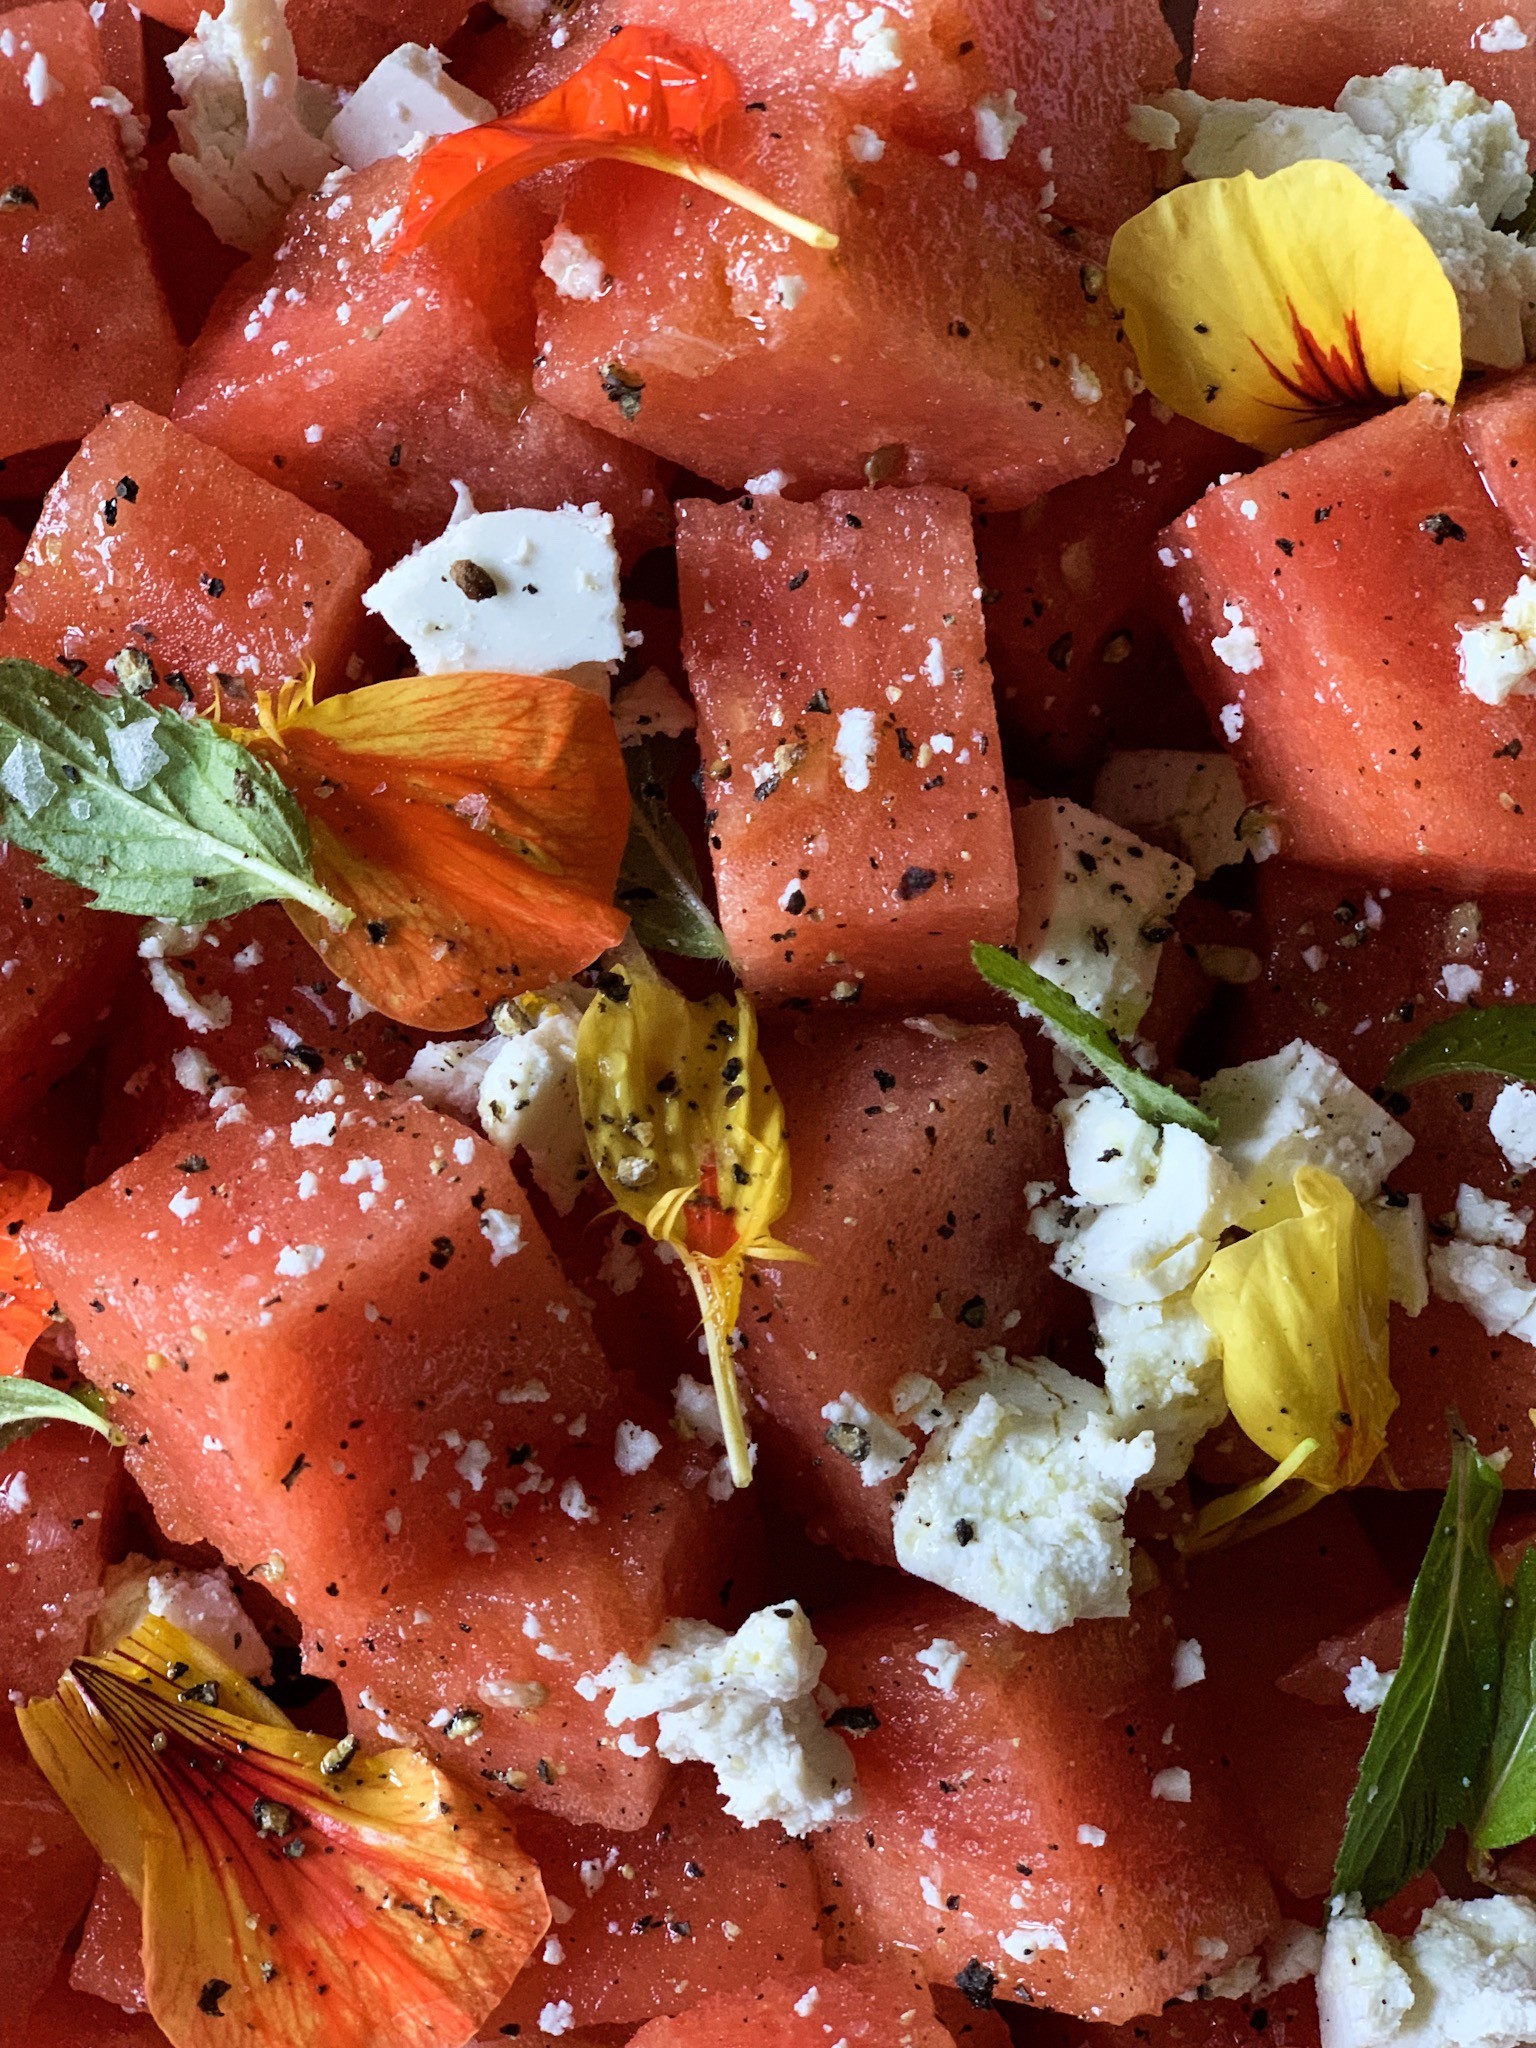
<point>1277,309</point>
<point>296,1893</point>
<point>687,1131</point>
<point>1301,1311</point>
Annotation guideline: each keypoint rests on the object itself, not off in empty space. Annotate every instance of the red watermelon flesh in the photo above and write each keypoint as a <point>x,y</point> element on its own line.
<point>860,825</point>
<point>88,324</point>
<point>1286,2018</point>
<point>109,1963</point>
<point>910,1153</point>
<point>340,41</point>
<point>58,1489</point>
<point>58,969</point>
<point>285,1009</point>
<point>76,2020</point>
<point>908,355</point>
<point>690,1905</point>
<point>969,1835</point>
<point>154,540</point>
<point>315,1338</point>
<point>1075,634</point>
<point>13,545</point>
<point>121,33</point>
<point>1073,74</point>
<point>878,2005</point>
<point>1498,425</point>
<point>1303,54</point>
<point>47,1869</point>
<point>368,389</point>
<point>1361,557</point>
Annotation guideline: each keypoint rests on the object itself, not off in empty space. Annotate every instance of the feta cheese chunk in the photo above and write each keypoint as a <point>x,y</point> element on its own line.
<point>1490,1283</point>
<point>866,1439</point>
<point>1498,656</point>
<point>1111,1151</point>
<point>250,128</point>
<point>406,94</point>
<point>520,593</point>
<point>573,266</point>
<point>1017,1502</point>
<point>1485,1219</point>
<point>745,1705</point>
<point>201,1604</point>
<point>1465,1978</point>
<point>1405,1233</point>
<point>1366,1688</point>
<point>1299,1108</point>
<point>1512,1122</point>
<point>1191,804</point>
<point>1160,1244</point>
<point>1444,141</point>
<point>1162,1372</point>
<point>1095,907</point>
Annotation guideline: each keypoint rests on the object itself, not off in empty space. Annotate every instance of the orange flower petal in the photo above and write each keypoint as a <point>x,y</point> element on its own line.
<point>24,1305</point>
<point>645,98</point>
<point>474,824</point>
<point>293,1892</point>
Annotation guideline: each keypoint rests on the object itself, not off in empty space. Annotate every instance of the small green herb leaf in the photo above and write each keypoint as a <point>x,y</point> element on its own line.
<point>1092,1039</point>
<point>159,815</point>
<point>1419,1775</point>
<point>26,1404</point>
<point>1506,1810</point>
<point>659,882</point>
<point>1500,1040</point>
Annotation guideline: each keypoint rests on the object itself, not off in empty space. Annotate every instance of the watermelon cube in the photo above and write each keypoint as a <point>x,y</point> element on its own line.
<point>58,1489</point>
<point>327,1317</point>
<point>907,355</point>
<point>78,2021</point>
<point>1074,632</point>
<point>340,41</point>
<point>13,545</point>
<point>877,2005</point>
<point>58,969</point>
<point>120,29</point>
<point>1285,2018</point>
<point>1304,54</point>
<point>1042,1815</point>
<point>47,1869</point>
<point>687,1906</point>
<point>1498,423</point>
<point>88,324</point>
<point>152,539</point>
<point>369,390</point>
<point>910,1151</point>
<point>859,818</point>
<point>1043,94</point>
<point>109,1963</point>
<point>1321,600</point>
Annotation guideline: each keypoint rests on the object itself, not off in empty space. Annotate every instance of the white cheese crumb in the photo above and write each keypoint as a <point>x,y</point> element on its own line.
<point>855,747</point>
<point>1090,1836</point>
<point>212,1013</point>
<point>503,1233</point>
<point>1465,1978</point>
<point>998,121</point>
<point>1173,1785</point>
<point>556,2018</point>
<point>1485,1219</point>
<point>406,95</point>
<point>1460,982</point>
<point>319,1129</point>
<point>874,49</point>
<point>635,1449</point>
<point>1191,804</point>
<point>1504,34</point>
<point>1239,646</point>
<point>573,266</point>
<point>1366,1687</point>
<point>1498,657</point>
<point>183,1205</point>
<point>943,1662</point>
<point>864,145</point>
<point>867,1440</point>
<point>1299,1108</point>
<point>1188,1664</point>
<point>295,1261</point>
<point>201,1603</point>
<point>1512,1121</point>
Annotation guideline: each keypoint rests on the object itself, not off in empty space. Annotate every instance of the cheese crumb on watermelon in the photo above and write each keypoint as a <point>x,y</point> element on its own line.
<point>406,97</point>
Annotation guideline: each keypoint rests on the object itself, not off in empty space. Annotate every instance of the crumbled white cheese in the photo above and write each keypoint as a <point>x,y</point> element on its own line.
<point>212,1013</point>
<point>249,126</point>
<point>1162,1372</point>
<point>1158,1245</point>
<point>573,266</point>
<point>1173,1785</point>
<point>519,592</point>
<point>855,747</point>
<point>1299,1108</point>
<point>502,1232</point>
<point>202,1604</point>
<point>297,1261</point>
<point>1365,1689</point>
<point>874,47</point>
<point>697,1410</point>
<point>1096,907</point>
<point>997,120</point>
<point>1498,37</point>
<point>943,1662</point>
<point>1498,656</point>
<point>1465,1978</point>
<point>866,1439</point>
<point>407,94</point>
<point>1512,1122</point>
<point>635,1449</point>
<point>1191,804</point>
<point>1017,1502</point>
<point>1239,646</point>
<point>1111,1152</point>
<point>1489,1282</point>
<point>864,145</point>
<point>1485,1219</point>
<point>745,1705</point>
<point>1188,1664</point>
<point>1446,143</point>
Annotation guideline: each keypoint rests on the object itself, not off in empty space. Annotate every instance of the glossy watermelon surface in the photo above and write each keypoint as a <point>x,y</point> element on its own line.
<point>59,967</point>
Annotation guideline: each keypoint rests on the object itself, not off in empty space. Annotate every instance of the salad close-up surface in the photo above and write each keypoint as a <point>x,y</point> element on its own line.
<point>768,1024</point>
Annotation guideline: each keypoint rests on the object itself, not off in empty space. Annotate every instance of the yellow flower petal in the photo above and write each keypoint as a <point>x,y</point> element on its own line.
<point>295,1893</point>
<point>1277,309</point>
<point>686,1129</point>
<point>1301,1312</point>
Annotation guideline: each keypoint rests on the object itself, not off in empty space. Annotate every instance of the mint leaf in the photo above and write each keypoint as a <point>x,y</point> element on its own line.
<point>159,815</point>
<point>1507,1803</point>
<point>1420,1770</point>
<point>659,881</point>
<point>1500,1040</point>
<point>1092,1039</point>
<point>26,1404</point>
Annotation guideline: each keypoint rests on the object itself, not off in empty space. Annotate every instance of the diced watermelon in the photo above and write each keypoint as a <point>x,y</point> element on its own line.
<point>972,2026</point>
<point>154,540</point>
<point>109,1963</point>
<point>76,2020</point>
<point>860,823</point>
<point>1047,94</point>
<point>1304,53</point>
<point>910,1153</point>
<point>58,970</point>
<point>47,1869</point>
<point>58,1489</point>
<point>1074,633</point>
<point>1498,424</point>
<point>88,322</point>
<point>1323,596</point>
<point>13,545</point>
<point>340,40</point>
<point>368,390</point>
<point>879,2005</point>
<point>53,1138</point>
<point>908,355</point>
<point>1020,1834</point>
<point>689,1905</point>
<point>193,265</point>
<point>121,33</point>
<point>1286,2018</point>
<point>305,1310</point>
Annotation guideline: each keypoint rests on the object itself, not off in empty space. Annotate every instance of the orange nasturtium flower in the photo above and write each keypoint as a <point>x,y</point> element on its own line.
<point>1301,1308</point>
<point>645,98</point>
<point>24,1305</point>
<point>296,1893</point>
<point>687,1131</point>
<point>473,824</point>
<point>1278,309</point>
